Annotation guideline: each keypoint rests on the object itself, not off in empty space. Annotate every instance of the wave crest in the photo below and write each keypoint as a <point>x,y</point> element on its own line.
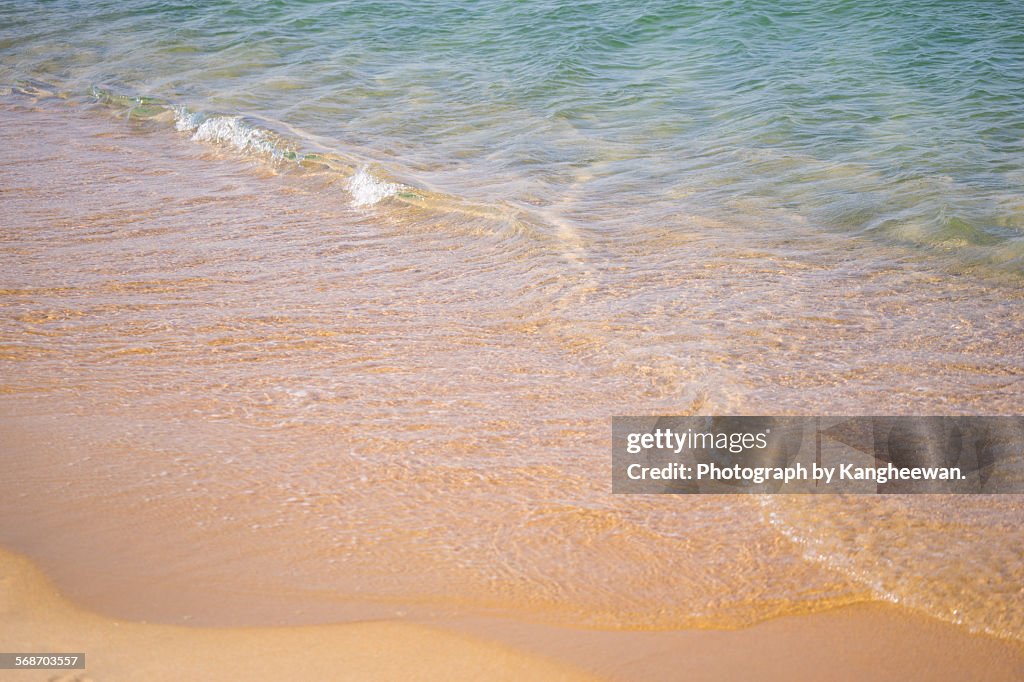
<point>367,190</point>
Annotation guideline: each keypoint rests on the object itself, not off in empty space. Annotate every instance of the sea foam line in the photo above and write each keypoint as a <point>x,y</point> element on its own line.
<point>365,188</point>
<point>231,130</point>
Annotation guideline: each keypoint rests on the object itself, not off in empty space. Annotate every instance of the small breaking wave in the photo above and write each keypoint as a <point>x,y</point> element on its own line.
<point>366,190</point>
<point>185,120</point>
<point>364,183</point>
<point>230,130</point>
<point>234,131</point>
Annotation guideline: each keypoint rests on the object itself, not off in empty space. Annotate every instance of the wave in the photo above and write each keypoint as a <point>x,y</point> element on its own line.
<point>899,548</point>
<point>522,229</point>
<point>241,135</point>
<point>954,243</point>
<point>230,130</point>
<point>366,184</point>
<point>366,190</point>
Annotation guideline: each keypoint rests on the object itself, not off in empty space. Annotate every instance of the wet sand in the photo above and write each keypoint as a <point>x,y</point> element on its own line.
<point>855,643</point>
<point>34,617</point>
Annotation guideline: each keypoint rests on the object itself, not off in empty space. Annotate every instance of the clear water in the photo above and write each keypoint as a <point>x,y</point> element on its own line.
<point>329,302</point>
<point>901,121</point>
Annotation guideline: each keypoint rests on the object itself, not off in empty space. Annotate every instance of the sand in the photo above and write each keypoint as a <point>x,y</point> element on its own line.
<point>34,617</point>
<point>855,643</point>
<point>869,641</point>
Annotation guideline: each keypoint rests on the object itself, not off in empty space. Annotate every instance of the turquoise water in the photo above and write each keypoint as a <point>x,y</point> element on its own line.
<point>902,122</point>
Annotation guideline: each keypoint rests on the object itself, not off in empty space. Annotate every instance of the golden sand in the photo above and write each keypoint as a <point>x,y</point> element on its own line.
<point>855,643</point>
<point>34,617</point>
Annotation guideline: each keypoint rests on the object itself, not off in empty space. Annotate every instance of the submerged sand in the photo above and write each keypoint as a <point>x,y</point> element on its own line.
<point>230,398</point>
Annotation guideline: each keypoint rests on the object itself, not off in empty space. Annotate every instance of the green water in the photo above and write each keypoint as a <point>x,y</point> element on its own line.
<point>899,121</point>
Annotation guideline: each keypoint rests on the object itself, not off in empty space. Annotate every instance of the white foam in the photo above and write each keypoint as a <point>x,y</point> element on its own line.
<point>233,131</point>
<point>366,190</point>
<point>185,120</point>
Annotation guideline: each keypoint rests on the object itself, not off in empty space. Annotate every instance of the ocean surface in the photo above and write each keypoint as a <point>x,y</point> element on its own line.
<point>304,304</point>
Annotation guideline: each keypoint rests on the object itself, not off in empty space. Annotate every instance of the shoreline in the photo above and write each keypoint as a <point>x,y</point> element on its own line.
<point>174,377</point>
<point>849,643</point>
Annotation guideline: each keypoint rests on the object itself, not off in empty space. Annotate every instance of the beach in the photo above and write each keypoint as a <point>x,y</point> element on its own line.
<point>844,645</point>
<point>311,380</point>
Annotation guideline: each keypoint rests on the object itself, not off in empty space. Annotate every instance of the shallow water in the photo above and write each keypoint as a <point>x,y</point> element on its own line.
<point>901,123</point>
<point>343,312</point>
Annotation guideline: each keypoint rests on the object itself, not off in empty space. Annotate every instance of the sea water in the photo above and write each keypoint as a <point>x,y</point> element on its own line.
<point>329,301</point>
